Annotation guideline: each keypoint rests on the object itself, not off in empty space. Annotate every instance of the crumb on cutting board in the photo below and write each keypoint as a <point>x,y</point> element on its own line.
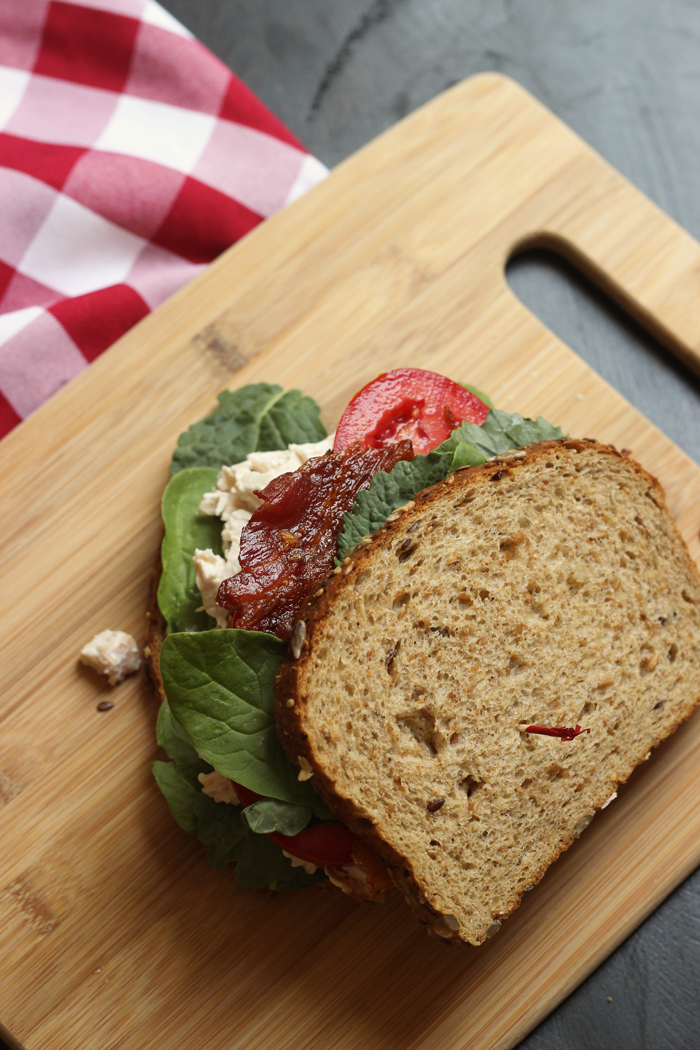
<point>112,653</point>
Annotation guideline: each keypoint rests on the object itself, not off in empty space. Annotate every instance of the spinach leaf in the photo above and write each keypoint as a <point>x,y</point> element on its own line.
<point>270,815</point>
<point>262,863</point>
<point>219,825</point>
<point>185,530</point>
<point>180,793</point>
<point>468,445</point>
<point>260,417</point>
<point>259,862</point>
<point>220,687</point>
<point>220,828</point>
<point>175,742</point>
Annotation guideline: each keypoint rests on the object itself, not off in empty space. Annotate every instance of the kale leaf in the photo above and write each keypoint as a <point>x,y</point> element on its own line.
<point>468,445</point>
<point>260,417</point>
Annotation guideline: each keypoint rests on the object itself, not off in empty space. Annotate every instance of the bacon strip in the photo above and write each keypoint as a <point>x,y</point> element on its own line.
<point>288,546</point>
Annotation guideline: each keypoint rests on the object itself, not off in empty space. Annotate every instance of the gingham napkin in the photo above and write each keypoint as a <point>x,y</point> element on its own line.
<point>130,157</point>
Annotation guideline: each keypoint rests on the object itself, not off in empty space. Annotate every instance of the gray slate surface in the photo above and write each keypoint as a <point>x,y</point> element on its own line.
<point>624,74</point>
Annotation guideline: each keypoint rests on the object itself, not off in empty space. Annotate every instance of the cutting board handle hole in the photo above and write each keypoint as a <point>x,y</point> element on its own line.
<point>620,349</point>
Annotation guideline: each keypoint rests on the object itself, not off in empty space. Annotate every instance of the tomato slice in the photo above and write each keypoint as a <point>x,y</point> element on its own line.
<point>324,844</point>
<point>407,403</point>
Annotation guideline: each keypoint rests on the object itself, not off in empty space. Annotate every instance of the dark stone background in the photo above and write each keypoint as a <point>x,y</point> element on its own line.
<point>624,74</point>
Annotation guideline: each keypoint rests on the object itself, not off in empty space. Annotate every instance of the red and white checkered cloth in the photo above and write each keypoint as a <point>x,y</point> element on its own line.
<point>130,157</point>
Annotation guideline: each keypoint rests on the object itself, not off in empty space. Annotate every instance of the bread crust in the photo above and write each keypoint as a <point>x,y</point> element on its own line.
<point>290,703</point>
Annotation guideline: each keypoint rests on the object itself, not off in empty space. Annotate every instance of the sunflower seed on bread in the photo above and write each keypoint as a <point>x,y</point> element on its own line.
<point>551,589</point>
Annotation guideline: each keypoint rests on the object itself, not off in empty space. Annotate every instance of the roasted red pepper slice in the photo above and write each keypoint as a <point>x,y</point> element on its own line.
<point>407,403</point>
<point>326,845</point>
<point>246,796</point>
<point>289,544</point>
<point>563,732</point>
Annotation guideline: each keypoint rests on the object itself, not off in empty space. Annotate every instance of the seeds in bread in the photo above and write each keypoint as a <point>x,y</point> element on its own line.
<point>552,589</point>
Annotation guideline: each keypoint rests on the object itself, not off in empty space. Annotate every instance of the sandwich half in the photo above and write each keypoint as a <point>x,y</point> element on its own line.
<point>546,588</point>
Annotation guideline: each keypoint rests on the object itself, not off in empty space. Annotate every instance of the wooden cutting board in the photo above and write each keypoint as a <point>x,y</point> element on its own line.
<point>114,932</point>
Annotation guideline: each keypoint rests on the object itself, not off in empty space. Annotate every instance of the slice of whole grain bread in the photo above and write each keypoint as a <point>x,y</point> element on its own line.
<point>549,588</point>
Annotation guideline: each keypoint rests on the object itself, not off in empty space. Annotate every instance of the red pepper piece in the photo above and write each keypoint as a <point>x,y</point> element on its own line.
<point>326,845</point>
<point>563,732</point>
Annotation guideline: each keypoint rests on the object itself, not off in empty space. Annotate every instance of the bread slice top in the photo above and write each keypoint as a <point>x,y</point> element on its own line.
<point>549,588</point>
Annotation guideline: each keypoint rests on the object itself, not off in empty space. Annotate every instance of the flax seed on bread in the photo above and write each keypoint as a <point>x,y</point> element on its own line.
<point>549,589</point>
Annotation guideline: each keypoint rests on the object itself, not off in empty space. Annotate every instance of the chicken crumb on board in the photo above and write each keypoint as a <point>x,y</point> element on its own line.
<point>112,653</point>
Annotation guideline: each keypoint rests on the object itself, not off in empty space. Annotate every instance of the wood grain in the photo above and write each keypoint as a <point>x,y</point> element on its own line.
<point>114,932</point>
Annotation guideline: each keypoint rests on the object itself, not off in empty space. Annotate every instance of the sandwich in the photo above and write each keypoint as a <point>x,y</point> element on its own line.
<point>441,648</point>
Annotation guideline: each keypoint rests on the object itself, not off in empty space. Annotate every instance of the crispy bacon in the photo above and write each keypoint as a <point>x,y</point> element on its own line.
<point>288,546</point>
